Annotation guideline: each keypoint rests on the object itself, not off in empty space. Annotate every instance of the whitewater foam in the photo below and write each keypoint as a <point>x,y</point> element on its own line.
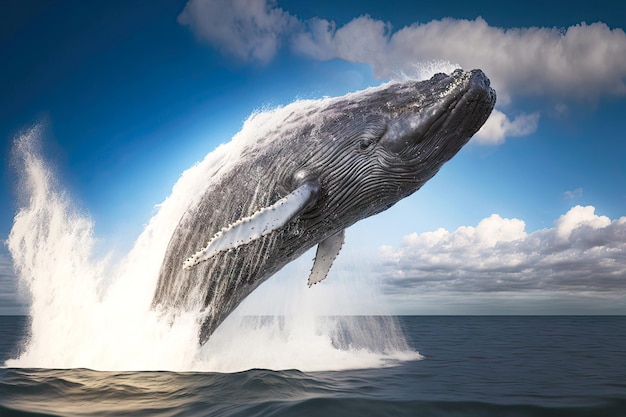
<point>90,312</point>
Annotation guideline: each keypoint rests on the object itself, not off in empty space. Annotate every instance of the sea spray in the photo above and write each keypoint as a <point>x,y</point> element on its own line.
<point>90,312</point>
<point>77,318</point>
<point>286,325</point>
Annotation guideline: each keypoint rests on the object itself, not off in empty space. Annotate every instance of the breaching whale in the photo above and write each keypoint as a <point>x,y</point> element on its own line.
<point>303,181</point>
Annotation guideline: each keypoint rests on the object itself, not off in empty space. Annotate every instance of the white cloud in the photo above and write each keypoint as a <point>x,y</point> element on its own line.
<point>582,253</point>
<point>498,127</point>
<point>248,29</point>
<point>579,217</point>
<point>580,61</point>
<point>361,40</point>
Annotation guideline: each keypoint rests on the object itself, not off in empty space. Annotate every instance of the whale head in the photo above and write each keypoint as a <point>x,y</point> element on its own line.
<point>388,141</point>
<point>430,121</point>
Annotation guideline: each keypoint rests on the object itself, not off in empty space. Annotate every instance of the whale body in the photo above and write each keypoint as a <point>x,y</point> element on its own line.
<point>302,181</point>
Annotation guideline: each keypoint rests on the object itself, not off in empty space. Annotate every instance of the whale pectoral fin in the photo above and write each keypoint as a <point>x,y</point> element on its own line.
<point>259,224</point>
<point>327,251</point>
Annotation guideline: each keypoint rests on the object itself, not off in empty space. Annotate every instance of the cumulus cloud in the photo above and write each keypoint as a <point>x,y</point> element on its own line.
<point>250,30</point>
<point>581,61</point>
<point>498,127</point>
<point>582,253</point>
<point>524,61</point>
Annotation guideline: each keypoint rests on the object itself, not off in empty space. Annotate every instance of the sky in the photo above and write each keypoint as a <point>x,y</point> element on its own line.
<point>529,218</point>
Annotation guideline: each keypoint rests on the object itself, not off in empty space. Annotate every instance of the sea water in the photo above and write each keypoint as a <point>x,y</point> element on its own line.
<point>471,366</point>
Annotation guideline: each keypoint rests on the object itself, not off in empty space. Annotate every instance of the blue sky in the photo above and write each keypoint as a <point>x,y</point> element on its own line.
<point>132,93</point>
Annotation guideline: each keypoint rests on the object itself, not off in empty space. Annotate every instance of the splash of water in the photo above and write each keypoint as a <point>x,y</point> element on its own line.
<point>424,70</point>
<point>90,312</point>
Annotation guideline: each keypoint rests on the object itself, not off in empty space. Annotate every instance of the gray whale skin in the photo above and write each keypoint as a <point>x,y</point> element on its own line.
<point>303,181</point>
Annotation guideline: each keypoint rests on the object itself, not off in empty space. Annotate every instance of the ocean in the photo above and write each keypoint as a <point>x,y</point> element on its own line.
<point>467,366</point>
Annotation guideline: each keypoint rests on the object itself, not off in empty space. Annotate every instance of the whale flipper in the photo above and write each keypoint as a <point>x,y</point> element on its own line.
<point>259,224</point>
<point>327,251</point>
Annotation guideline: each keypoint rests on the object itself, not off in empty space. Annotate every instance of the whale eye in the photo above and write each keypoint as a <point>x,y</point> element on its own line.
<point>369,131</point>
<point>365,144</point>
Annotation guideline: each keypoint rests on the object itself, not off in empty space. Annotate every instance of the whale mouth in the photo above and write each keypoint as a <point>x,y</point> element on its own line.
<point>466,98</point>
<point>478,92</point>
<point>468,111</point>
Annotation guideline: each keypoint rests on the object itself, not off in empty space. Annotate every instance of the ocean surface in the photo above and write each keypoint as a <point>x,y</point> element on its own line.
<point>470,366</point>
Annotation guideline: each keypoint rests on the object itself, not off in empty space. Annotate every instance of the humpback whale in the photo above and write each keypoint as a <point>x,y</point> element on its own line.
<point>301,182</point>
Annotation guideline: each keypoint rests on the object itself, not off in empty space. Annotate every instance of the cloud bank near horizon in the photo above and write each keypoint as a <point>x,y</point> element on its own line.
<point>583,253</point>
<point>495,267</point>
<point>560,63</point>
